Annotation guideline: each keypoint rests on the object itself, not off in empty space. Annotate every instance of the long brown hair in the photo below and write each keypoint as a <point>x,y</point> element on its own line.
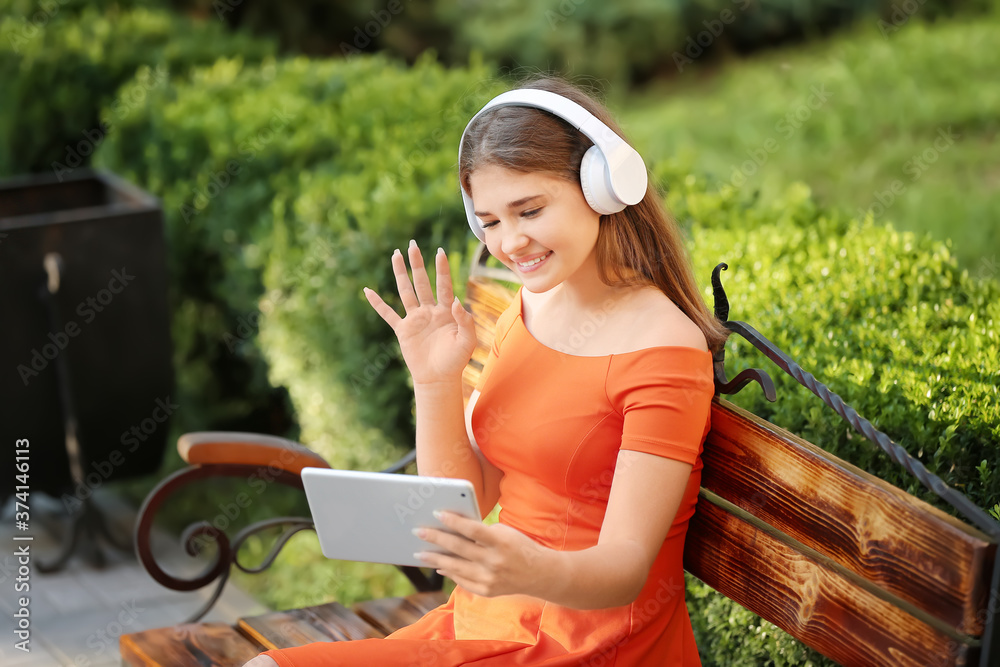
<point>640,246</point>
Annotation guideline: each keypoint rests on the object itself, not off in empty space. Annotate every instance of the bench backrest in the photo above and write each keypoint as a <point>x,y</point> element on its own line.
<point>848,564</point>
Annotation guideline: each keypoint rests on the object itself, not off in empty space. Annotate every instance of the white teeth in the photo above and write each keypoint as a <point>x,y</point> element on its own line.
<point>534,261</point>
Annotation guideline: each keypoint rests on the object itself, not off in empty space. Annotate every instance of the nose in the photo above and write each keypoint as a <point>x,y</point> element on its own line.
<point>513,238</point>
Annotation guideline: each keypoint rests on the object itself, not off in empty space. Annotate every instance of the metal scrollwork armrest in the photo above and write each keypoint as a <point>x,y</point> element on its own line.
<point>897,453</point>
<point>238,455</point>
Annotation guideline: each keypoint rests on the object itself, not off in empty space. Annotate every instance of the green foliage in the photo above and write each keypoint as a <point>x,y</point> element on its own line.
<point>610,40</point>
<point>328,27</point>
<point>628,40</point>
<point>636,40</point>
<point>885,319</point>
<point>850,117</point>
<point>303,576</point>
<point>60,64</point>
<point>286,187</point>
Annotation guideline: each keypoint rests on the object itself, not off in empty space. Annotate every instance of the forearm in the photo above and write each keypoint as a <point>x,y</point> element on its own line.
<point>443,448</point>
<point>605,575</point>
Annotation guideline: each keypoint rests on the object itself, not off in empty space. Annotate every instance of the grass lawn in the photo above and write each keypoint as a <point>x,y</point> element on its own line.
<point>905,124</point>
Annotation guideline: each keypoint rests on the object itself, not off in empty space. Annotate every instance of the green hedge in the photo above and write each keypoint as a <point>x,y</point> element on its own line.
<point>61,63</point>
<point>286,188</point>
<point>637,40</point>
<point>627,40</point>
<point>885,319</point>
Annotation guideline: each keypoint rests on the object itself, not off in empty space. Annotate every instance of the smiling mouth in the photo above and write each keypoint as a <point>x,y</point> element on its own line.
<point>534,262</point>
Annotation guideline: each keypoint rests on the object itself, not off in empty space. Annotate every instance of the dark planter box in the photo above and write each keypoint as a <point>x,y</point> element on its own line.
<point>106,329</point>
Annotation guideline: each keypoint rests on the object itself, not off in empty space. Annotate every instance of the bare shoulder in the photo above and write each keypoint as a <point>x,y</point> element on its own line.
<point>658,321</point>
<point>635,320</point>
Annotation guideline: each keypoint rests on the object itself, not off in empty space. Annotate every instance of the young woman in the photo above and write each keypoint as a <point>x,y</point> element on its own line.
<point>587,423</point>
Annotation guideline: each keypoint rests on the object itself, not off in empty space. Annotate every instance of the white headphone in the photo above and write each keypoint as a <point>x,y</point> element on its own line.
<point>612,173</point>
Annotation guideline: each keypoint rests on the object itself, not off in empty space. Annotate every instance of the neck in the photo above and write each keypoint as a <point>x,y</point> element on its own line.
<point>584,291</point>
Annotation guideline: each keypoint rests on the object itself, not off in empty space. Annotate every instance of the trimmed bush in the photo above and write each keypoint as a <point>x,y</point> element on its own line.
<point>61,63</point>
<point>286,187</point>
<point>885,319</point>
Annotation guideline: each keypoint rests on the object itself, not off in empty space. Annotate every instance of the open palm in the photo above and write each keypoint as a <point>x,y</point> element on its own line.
<point>437,338</point>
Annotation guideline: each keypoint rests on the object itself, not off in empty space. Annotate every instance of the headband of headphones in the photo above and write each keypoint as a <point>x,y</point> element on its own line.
<point>612,173</point>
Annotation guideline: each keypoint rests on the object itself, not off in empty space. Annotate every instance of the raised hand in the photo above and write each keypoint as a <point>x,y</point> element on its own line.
<point>436,338</point>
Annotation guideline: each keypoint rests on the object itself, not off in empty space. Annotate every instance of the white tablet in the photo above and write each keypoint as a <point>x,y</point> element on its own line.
<point>370,516</point>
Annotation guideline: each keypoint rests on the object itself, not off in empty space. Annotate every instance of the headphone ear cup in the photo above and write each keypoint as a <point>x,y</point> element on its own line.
<point>596,185</point>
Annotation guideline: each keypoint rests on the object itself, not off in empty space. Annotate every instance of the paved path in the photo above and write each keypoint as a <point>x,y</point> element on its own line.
<point>77,614</point>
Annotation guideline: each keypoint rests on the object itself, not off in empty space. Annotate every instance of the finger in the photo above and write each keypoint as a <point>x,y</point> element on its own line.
<point>451,567</point>
<point>468,584</point>
<point>420,280</point>
<point>456,544</point>
<point>403,285</point>
<point>444,290</point>
<point>384,310</point>
<point>466,322</point>
<point>472,529</point>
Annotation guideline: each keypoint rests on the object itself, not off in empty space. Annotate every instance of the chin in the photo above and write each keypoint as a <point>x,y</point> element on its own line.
<point>538,287</point>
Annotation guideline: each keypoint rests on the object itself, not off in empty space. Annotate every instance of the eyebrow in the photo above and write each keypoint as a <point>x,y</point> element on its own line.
<point>514,204</point>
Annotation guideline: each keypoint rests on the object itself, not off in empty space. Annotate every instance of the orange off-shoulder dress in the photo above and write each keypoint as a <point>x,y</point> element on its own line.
<point>554,422</point>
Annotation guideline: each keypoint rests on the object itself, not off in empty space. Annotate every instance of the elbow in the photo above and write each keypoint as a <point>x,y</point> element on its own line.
<point>628,586</point>
<point>619,577</point>
<point>635,579</point>
<point>622,596</point>
<point>631,593</point>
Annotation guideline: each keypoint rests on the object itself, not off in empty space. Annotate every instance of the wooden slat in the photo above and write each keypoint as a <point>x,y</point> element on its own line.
<point>487,300</point>
<point>188,645</point>
<point>906,546</point>
<point>427,601</point>
<point>322,623</point>
<point>281,630</point>
<point>341,623</point>
<point>390,614</point>
<point>808,600</point>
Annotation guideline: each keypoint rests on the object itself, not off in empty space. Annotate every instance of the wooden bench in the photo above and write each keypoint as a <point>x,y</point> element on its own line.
<point>850,565</point>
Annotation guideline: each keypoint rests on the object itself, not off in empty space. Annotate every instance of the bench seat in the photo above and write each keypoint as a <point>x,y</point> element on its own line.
<point>222,645</point>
